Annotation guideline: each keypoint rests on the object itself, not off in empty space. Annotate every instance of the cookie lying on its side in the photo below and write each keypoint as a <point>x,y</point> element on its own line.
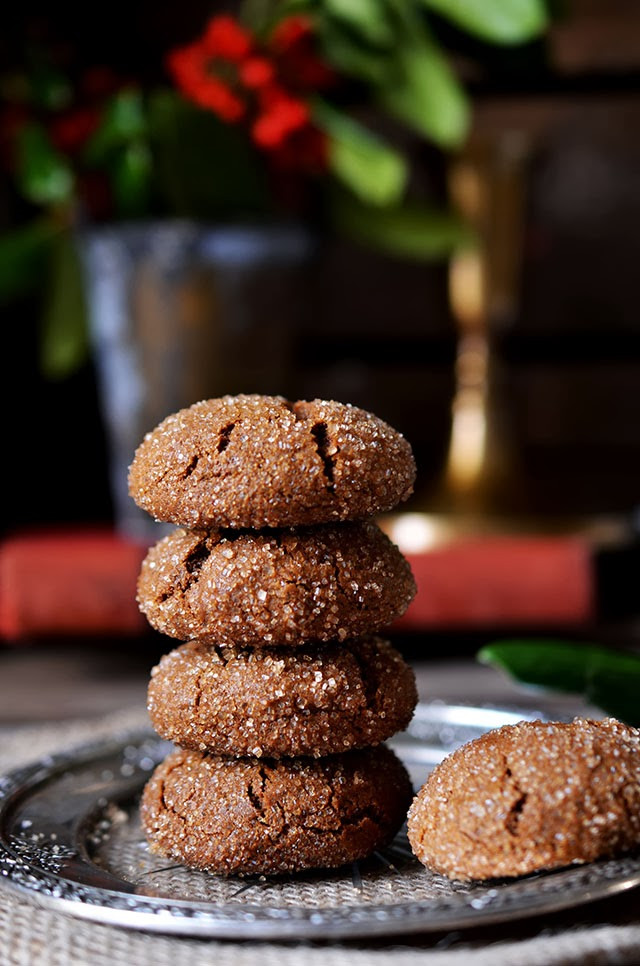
<point>245,816</point>
<point>261,461</point>
<point>531,796</point>
<point>280,587</point>
<point>311,701</point>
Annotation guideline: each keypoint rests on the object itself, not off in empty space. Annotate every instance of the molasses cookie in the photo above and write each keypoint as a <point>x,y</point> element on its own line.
<point>246,816</point>
<point>312,701</point>
<point>536,795</point>
<point>280,587</point>
<point>261,461</point>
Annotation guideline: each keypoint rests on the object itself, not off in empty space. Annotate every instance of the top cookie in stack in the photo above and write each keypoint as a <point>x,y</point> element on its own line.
<point>260,461</point>
<point>279,581</point>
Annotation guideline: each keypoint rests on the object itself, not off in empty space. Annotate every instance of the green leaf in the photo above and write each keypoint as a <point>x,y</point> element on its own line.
<point>374,171</point>
<point>348,55</point>
<point>497,21</point>
<point>23,257</point>
<point>124,120</point>
<point>426,94</point>
<point>45,176</point>
<point>64,344</point>
<point>416,232</point>
<point>365,18</point>
<point>607,678</point>
<point>131,179</point>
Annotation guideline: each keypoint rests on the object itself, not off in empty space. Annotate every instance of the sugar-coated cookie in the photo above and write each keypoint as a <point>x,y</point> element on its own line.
<point>271,702</point>
<point>254,816</point>
<point>274,587</point>
<point>535,795</point>
<point>261,461</point>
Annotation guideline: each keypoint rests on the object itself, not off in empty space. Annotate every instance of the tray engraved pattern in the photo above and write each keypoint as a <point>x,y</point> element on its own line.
<point>70,836</point>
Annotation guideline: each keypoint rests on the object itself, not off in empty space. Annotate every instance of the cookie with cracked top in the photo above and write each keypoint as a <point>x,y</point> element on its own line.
<point>248,816</point>
<point>274,587</point>
<point>530,796</point>
<point>261,461</point>
<point>275,703</point>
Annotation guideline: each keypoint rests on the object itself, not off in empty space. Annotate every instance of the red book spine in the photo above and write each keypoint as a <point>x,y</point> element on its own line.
<point>69,584</point>
<point>528,581</point>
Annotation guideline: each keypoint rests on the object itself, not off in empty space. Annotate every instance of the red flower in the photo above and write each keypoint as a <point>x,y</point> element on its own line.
<point>256,72</point>
<point>190,68</point>
<point>290,32</point>
<point>281,115</point>
<point>293,44</point>
<point>196,67</point>
<point>226,71</point>
<point>226,39</point>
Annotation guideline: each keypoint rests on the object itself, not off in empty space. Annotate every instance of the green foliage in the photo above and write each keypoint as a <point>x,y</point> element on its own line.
<point>375,172</point>
<point>64,342</point>
<point>131,174</point>
<point>352,57</point>
<point>46,177</point>
<point>412,231</point>
<point>24,255</point>
<point>123,120</point>
<point>496,21</point>
<point>163,156</point>
<point>426,95</point>
<point>120,145</point>
<point>221,178</point>
<point>368,19</point>
<point>387,44</point>
<point>607,678</point>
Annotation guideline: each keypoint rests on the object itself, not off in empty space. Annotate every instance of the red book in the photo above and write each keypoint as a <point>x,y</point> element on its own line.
<point>69,583</point>
<point>510,581</point>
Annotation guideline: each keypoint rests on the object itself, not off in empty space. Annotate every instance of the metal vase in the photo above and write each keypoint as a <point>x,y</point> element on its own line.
<point>180,311</point>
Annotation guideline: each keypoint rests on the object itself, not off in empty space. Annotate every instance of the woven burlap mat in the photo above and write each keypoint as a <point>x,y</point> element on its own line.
<point>600,933</point>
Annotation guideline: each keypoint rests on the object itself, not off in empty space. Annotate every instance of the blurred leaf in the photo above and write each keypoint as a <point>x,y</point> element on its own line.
<point>23,257</point>
<point>123,121</point>
<point>411,231</point>
<point>131,179</point>
<point>64,344</point>
<point>366,18</point>
<point>606,678</point>
<point>350,56</point>
<point>497,21</point>
<point>426,95</point>
<point>45,177</point>
<point>375,172</point>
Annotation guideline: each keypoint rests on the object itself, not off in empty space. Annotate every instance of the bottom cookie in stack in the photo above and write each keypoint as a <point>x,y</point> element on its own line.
<point>248,816</point>
<point>280,764</point>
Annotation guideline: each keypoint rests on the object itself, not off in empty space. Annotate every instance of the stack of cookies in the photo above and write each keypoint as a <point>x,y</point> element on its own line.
<point>279,581</point>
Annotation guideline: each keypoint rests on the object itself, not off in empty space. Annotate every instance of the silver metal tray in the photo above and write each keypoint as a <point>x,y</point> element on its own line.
<point>70,838</point>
